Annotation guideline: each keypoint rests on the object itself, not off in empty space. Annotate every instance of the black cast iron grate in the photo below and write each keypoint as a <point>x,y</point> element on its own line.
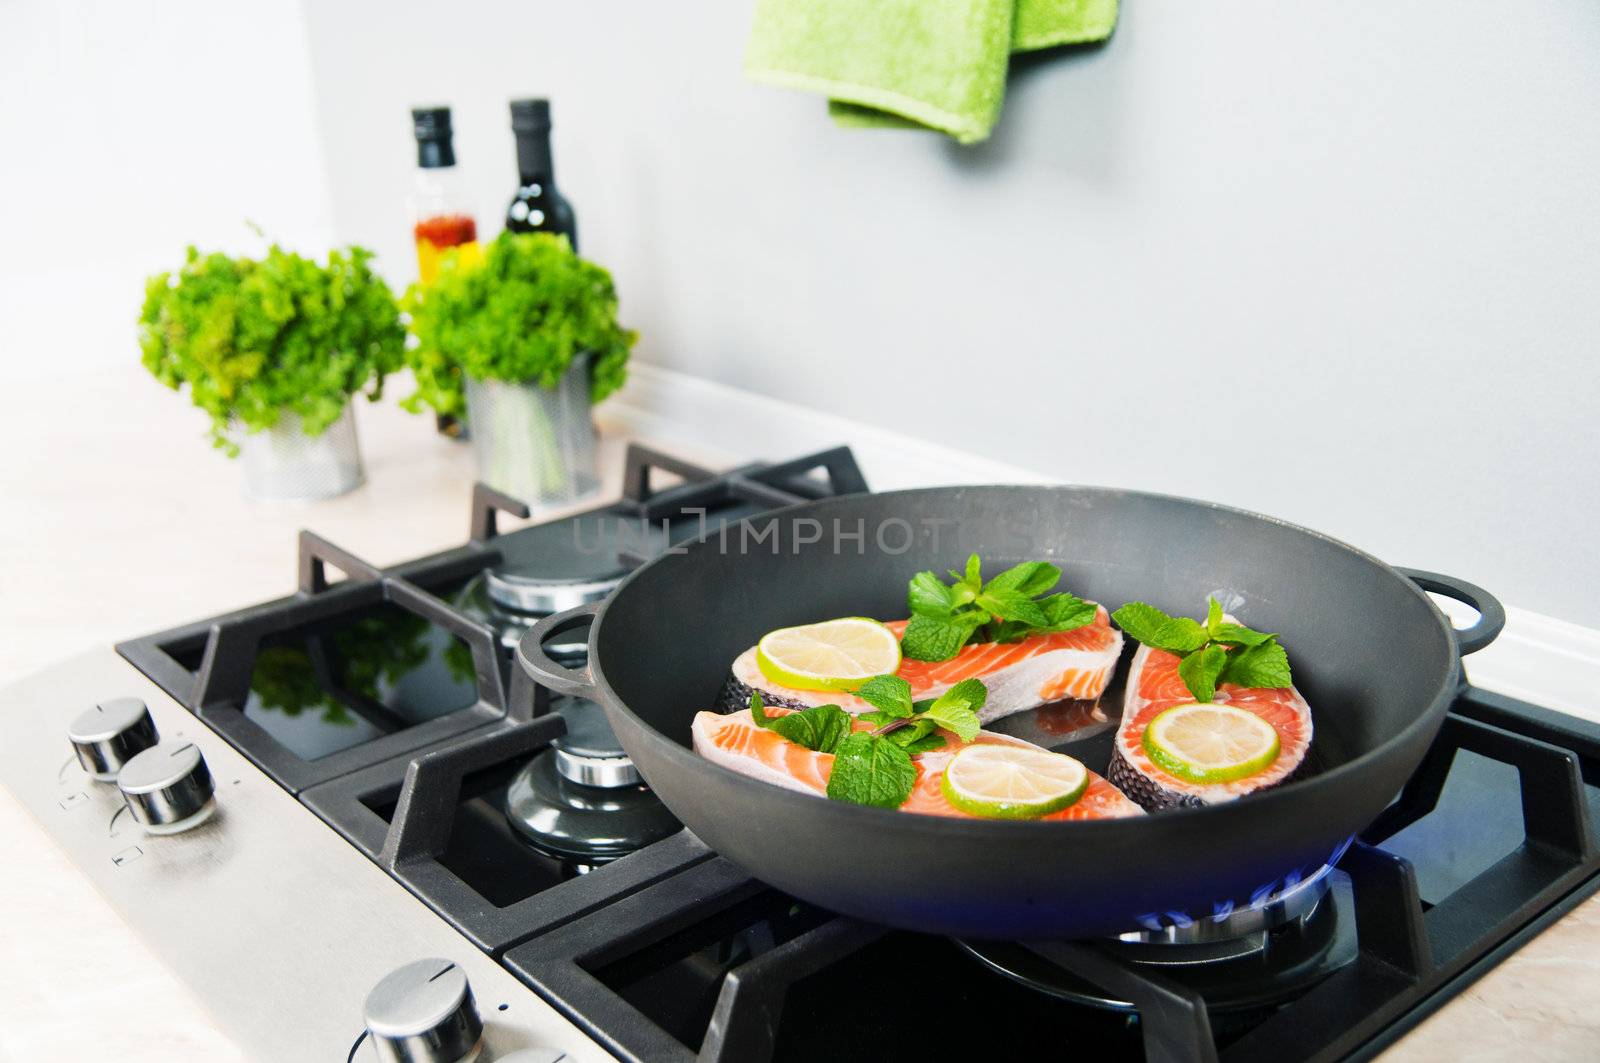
<point>208,666</point>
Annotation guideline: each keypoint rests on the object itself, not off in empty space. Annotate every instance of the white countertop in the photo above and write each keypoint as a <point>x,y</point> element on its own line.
<point>122,522</point>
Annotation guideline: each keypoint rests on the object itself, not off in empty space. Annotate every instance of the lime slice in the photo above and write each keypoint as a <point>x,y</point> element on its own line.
<point>832,655</point>
<point>1011,782</point>
<point>1211,743</point>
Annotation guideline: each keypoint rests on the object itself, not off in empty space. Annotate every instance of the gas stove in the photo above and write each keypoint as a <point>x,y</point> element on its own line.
<point>357,830</point>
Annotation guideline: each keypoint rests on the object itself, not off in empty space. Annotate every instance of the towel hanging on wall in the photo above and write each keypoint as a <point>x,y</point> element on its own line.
<point>937,64</point>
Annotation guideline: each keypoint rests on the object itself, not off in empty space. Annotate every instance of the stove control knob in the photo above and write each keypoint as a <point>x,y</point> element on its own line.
<point>109,735</point>
<point>424,1013</point>
<point>168,787</point>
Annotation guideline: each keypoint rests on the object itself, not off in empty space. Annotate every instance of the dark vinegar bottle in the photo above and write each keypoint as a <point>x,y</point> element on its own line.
<point>537,207</point>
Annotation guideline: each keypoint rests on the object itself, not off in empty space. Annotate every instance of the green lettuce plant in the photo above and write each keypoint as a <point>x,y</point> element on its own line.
<point>522,312</point>
<point>255,338</point>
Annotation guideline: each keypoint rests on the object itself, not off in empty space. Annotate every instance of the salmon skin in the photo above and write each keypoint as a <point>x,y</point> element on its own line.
<point>734,740</point>
<point>1019,675</point>
<point>1154,686</point>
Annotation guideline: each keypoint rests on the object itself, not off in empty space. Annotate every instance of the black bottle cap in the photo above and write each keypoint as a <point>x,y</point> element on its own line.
<point>530,116</point>
<point>432,128</point>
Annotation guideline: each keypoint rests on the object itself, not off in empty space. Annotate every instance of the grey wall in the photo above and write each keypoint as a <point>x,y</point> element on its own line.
<point>1339,262</point>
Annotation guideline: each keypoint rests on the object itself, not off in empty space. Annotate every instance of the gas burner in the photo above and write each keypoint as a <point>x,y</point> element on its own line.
<point>551,567</point>
<point>1271,959</point>
<point>582,800</point>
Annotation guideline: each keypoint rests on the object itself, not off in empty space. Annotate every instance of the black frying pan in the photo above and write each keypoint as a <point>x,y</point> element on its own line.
<point>1374,657</point>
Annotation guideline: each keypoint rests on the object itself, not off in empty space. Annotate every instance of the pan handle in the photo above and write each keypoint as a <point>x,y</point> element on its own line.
<point>1491,614</point>
<point>531,657</point>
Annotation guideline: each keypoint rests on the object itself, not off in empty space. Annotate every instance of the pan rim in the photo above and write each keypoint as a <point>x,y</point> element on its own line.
<point>1429,718</point>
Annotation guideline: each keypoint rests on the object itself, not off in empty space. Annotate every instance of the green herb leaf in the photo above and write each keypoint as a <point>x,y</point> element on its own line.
<point>1067,612</point>
<point>913,734</point>
<point>927,596</point>
<point>871,770</point>
<point>889,694</point>
<point>1151,626</point>
<point>1181,635</point>
<point>1239,635</point>
<point>1265,664</point>
<point>1012,605</point>
<point>820,728</point>
<point>255,339</point>
<point>921,744</point>
<point>1031,578</point>
<point>974,574</point>
<point>525,310</point>
<point>957,708</point>
<point>1141,621</point>
<point>927,639</point>
<point>1257,662</point>
<point>1200,670</point>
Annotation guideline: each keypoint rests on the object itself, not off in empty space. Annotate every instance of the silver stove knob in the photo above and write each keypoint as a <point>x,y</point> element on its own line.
<point>424,1013</point>
<point>109,735</point>
<point>168,787</point>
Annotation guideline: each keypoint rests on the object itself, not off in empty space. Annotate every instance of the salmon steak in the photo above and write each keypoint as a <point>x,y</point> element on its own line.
<point>1154,686</point>
<point>735,741</point>
<point>1020,675</point>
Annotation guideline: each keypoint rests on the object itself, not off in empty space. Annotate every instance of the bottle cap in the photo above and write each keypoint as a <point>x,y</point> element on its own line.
<point>530,116</point>
<point>432,128</point>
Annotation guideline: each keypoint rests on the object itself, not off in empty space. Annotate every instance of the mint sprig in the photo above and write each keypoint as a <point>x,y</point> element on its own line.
<point>1212,653</point>
<point>821,727</point>
<point>875,767</point>
<point>1007,608</point>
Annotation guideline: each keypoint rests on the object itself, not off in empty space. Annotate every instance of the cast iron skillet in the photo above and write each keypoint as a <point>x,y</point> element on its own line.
<point>1374,657</point>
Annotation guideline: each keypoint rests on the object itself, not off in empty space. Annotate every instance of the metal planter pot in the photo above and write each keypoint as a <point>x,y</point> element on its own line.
<point>284,464</point>
<point>535,444</point>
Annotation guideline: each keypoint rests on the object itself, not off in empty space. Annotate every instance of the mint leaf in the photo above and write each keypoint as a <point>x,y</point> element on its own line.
<point>974,575</point>
<point>1067,612</point>
<point>924,744</point>
<point>914,734</point>
<point>1149,625</point>
<point>927,639</point>
<point>1031,578</point>
<point>1012,605</point>
<point>1239,635</point>
<point>1263,665</point>
<point>957,708</point>
<point>1213,616</point>
<point>889,694</point>
<point>820,728</point>
<point>1181,635</point>
<point>1200,670</point>
<point>871,770</point>
<point>926,596</point>
<point>1141,622</point>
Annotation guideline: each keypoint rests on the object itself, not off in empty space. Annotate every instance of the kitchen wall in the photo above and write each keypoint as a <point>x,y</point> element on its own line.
<point>1337,262</point>
<point>129,129</point>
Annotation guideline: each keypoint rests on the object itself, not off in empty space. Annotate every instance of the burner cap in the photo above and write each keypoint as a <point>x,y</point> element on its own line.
<point>551,567</point>
<point>589,752</point>
<point>581,800</point>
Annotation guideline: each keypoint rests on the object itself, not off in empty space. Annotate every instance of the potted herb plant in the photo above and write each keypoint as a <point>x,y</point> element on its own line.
<point>521,341</point>
<point>273,349</point>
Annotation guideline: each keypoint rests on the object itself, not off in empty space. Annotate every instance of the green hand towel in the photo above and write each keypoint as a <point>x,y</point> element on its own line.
<point>939,64</point>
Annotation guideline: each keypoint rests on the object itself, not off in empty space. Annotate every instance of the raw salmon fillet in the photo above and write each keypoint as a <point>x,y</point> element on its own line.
<point>736,741</point>
<point>1020,675</point>
<point>1154,686</point>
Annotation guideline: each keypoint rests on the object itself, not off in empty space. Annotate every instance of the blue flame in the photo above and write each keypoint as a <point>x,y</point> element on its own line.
<point>1262,896</point>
